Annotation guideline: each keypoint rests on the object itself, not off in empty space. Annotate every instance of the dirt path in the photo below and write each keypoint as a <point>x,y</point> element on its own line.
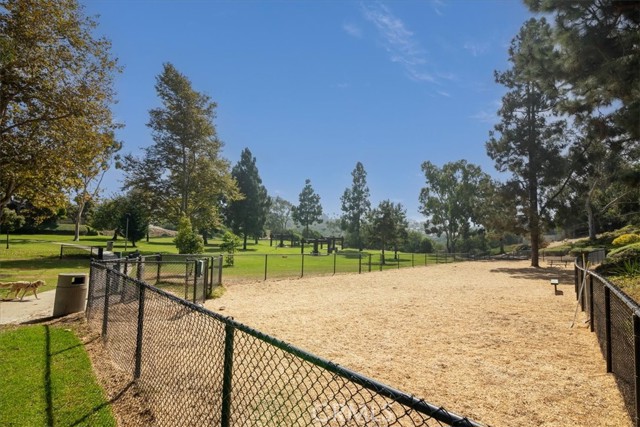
<point>488,340</point>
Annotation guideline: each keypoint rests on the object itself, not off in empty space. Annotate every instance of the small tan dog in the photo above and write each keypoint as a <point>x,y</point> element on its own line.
<point>22,286</point>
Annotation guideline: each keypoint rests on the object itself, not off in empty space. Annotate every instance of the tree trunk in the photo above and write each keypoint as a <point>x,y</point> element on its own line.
<point>205,237</point>
<point>590,215</point>
<point>532,182</point>
<point>591,221</point>
<point>244,242</point>
<point>78,219</point>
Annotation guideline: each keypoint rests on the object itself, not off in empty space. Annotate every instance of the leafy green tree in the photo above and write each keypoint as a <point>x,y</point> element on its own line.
<point>309,209</point>
<point>279,214</point>
<point>450,199</point>
<point>187,240</point>
<point>530,139</point>
<point>497,211</point>
<point>417,242</point>
<point>598,41</point>
<point>11,221</point>
<point>90,177</point>
<point>355,204</point>
<point>106,215</point>
<point>56,88</point>
<point>387,225</point>
<point>248,216</point>
<point>183,171</point>
<point>126,214</point>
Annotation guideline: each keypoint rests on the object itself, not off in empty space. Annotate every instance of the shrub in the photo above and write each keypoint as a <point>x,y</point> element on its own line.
<point>617,259</point>
<point>187,240</point>
<point>229,244</point>
<point>626,239</point>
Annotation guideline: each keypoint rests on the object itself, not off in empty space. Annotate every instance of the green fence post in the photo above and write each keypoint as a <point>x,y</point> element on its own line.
<point>369,263</point>
<point>227,386</point>
<point>591,315</point>
<point>636,353</point>
<point>138,365</point>
<point>334,262</point>
<point>302,273</point>
<point>360,263</point>
<point>265,266</point>
<point>105,314</point>
<point>607,327</point>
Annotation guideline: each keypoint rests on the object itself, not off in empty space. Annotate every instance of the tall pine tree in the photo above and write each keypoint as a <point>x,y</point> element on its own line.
<point>355,205</point>
<point>247,217</point>
<point>183,171</point>
<point>529,141</point>
<point>309,209</point>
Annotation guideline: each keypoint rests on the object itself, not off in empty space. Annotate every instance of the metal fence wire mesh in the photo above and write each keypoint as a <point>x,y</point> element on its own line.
<point>196,367</point>
<point>615,318</point>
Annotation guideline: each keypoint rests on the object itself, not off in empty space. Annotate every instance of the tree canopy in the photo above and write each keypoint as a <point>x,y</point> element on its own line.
<point>599,41</point>
<point>451,198</point>
<point>183,172</point>
<point>530,140</point>
<point>309,209</point>
<point>248,215</point>
<point>355,204</point>
<point>387,225</point>
<point>56,89</point>
<point>279,214</point>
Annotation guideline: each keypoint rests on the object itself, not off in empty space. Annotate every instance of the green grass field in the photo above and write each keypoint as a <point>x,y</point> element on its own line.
<point>48,380</point>
<point>37,257</point>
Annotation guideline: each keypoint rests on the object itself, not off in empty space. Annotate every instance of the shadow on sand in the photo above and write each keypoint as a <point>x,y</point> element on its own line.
<point>564,275</point>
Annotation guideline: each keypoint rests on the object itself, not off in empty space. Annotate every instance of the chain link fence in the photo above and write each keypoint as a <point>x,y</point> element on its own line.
<point>615,318</point>
<point>196,367</point>
<point>249,267</point>
<point>190,277</point>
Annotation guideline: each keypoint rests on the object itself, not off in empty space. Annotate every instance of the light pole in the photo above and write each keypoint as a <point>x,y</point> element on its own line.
<point>126,233</point>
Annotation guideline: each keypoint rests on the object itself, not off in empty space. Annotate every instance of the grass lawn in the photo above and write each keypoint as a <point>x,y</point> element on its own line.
<point>48,380</point>
<point>37,257</point>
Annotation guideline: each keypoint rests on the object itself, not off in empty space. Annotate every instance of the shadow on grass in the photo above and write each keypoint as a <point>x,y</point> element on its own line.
<point>46,262</point>
<point>47,384</point>
<point>97,408</point>
<point>532,273</point>
<point>47,375</point>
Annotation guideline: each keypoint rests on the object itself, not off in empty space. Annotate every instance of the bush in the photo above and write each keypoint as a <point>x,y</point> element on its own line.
<point>626,239</point>
<point>620,258</point>
<point>229,244</point>
<point>187,240</point>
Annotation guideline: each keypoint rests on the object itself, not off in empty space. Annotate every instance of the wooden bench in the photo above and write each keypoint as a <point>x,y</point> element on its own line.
<point>558,262</point>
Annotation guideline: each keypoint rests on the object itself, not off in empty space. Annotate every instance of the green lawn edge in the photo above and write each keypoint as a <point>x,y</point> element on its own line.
<point>48,380</point>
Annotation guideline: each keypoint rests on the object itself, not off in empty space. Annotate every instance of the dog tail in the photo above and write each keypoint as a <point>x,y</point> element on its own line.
<point>5,285</point>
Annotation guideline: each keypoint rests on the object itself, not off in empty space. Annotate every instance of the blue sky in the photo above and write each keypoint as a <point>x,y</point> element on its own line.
<point>312,87</point>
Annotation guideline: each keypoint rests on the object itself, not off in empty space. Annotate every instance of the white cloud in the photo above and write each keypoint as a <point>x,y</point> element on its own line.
<point>399,41</point>
<point>485,117</point>
<point>476,48</point>
<point>437,6</point>
<point>443,93</point>
<point>352,29</point>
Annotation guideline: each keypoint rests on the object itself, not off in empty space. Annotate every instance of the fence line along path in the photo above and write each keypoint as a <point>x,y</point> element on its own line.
<point>197,367</point>
<point>489,339</point>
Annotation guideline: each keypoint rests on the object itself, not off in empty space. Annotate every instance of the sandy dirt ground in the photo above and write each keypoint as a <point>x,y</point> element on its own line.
<point>487,340</point>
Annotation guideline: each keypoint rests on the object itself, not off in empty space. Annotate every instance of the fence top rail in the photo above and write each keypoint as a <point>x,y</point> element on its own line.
<point>633,305</point>
<point>436,412</point>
